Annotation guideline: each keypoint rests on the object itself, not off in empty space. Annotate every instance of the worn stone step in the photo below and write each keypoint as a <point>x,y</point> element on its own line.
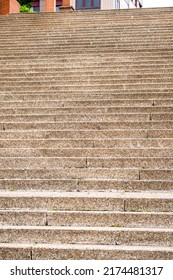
<point>30,66</point>
<point>87,40</point>
<point>85,184</point>
<point>87,46</point>
<point>76,103</point>
<point>99,252</point>
<point>95,92</point>
<point>80,96</point>
<point>88,103</point>
<point>88,85</point>
<point>84,74</point>
<point>153,174</point>
<point>83,135</point>
<point>86,201</point>
<point>91,135</point>
<point>84,218</point>
<point>88,50</point>
<point>88,173</point>
<point>87,117</point>
<point>86,81</point>
<point>85,235</point>
<point>81,117</point>
<point>129,143</point>
<point>83,252</point>
<point>87,125</point>
<point>106,155</point>
<point>83,110</point>
<point>73,173</point>
<point>124,66</point>
<point>87,162</point>
<point>11,251</point>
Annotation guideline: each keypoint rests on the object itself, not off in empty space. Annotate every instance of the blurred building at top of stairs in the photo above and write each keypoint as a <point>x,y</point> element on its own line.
<point>39,5</point>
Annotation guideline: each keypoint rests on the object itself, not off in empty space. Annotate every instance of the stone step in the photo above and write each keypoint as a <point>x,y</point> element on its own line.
<point>88,201</point>
<point>78,23</point>
<point>13,251</point>
<point>83,135</point>
<point>29,67</point>
<point>89,81</point>
<point>90,135</point>
<point>88,173</point>
<point>119,143</point>
<point>95,92</point>
<point>83,150</point>
<point>24,217</point>
<point>87,125</point>
<point>109,156</point>
<point>87,40</point>
<point>84,73</point>
<point>82,97</point>
<point>155,110</point>
<point>88,45</point>
<point>84,118</point>
<point>91,63</point>
<point>85,86</point>
<point>77,173</point>
<point>89,103</point>
<point>88,37</point>
<point>85,185</point>
<point>88,72</point>
<point>77,96</point>
<point>141,163</point>
<point>86,50</point>
<point>87,235</point>
<point>94,22</point>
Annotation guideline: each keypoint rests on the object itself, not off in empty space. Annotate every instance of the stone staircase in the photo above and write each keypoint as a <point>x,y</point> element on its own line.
<point>86,135</point>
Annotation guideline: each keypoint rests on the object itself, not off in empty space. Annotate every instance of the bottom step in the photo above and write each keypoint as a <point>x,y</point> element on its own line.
<point>83,252</point>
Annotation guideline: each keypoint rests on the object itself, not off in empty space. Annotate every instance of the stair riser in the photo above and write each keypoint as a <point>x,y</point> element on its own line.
<point>87,126</point>
<point>85,185</point>
<point>84,97</point>
<point>78,155</point>
<point>88,237</point>
<point>43,163</point>
<point>40,253</point>
<point>102,144</point>
<point>89,204</point>
<point>85,118</point>
<point>89,135</point>
<point>91,110</point>
<point>84,219</point>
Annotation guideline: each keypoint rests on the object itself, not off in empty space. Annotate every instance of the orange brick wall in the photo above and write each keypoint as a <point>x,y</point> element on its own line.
<point>50,6</point>
<point>8,7</point>
<point>14,6</point>
<point>65,2</point>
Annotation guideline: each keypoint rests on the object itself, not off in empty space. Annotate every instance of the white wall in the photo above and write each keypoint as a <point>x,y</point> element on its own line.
<point>73,3</point>
<point>111,4</point>
<point>107,5</point>
<point>124,4</point>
